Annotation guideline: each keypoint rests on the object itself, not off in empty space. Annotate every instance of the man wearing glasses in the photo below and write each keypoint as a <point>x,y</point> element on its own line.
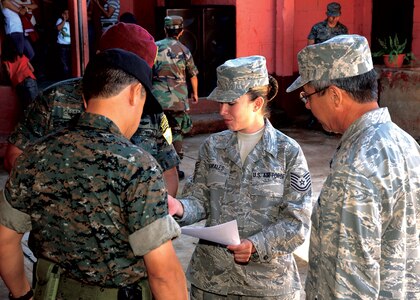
<point>366,227</point>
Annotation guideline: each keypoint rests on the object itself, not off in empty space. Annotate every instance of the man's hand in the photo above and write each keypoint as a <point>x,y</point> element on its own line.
<point>194,98</point>
<point>12,152</point>
<point>175,207</point>
<point>242,252</point>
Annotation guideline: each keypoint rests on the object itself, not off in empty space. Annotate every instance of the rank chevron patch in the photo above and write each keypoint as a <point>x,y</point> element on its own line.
<point>300,183</point>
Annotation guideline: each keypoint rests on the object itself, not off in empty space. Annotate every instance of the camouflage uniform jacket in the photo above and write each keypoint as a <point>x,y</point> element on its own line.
<point>60,105</point>
<point>173,64</point>
<point>269,196</point>
<point>365,229</point>
<point>96,202</point>
<point>321,32</point>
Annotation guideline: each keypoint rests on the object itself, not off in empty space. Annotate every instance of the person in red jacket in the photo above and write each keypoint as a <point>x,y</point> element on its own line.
<point>21,73</point>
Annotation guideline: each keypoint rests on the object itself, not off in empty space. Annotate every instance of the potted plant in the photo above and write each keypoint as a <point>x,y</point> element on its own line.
<point>393,51</point>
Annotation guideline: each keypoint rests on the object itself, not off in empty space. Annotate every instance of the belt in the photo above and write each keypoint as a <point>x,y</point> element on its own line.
<point>51,283</point>
<point>72,289</point>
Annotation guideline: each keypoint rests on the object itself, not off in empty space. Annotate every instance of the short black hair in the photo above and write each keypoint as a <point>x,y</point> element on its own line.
<point>128,17</point>
<point>105,81</point>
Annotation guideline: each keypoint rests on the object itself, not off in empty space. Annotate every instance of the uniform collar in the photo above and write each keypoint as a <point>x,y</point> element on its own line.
<point>268,140</point>
<point>376,116</point>
<point>98,122</point>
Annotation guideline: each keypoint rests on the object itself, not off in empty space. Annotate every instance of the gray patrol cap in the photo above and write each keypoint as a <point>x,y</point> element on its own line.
<point>333,9</point>
<point>236,76</point>
<point>174,22</point>
<point>339,57</point>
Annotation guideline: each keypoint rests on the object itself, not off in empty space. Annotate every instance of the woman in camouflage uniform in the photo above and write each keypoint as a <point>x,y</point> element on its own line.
<point>256,175</point>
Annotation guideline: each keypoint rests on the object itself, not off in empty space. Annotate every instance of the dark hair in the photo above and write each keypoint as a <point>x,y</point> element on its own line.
<point>104,81</point>
<point>267,92</point>
<point>9,51</point>
<point>128,17</point>
<point>362,88</point>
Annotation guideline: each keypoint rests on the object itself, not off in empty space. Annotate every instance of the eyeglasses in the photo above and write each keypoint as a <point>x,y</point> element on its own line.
<point>304,97</point>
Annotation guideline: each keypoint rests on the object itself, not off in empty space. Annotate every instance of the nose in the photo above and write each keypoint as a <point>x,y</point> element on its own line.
<point>223,108</point>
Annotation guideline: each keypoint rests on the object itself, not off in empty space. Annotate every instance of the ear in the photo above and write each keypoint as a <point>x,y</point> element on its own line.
<point>258,103</point>
<point>135,94</point>
<point>337,96</point>
<point>84,102</point>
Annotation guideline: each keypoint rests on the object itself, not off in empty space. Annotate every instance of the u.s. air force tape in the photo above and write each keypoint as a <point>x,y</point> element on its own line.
<point>300,183</point>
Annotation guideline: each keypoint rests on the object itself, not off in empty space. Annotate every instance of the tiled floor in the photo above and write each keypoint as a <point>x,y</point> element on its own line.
<point>318,149</point>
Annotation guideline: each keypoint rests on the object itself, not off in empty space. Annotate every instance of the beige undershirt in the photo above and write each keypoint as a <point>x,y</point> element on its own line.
<point>247,142</point>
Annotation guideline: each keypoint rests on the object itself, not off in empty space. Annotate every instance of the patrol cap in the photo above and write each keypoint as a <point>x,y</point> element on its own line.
<point>174,22</point>
<point>339,57</point>
<point>236,76</point>
<point>333,9</point>
<point>130,64</point>
<point>130,37</point>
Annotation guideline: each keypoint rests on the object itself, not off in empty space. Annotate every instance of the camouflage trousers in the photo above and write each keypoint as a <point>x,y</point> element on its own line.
<point>199,294</point>
<point>180,123</point>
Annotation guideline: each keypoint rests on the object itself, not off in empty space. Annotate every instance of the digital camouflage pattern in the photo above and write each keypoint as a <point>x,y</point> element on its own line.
<point>236,76</point>
<point>269,196</point>
<point>96,202</point>
<point>149,137</point>
<point>198,294</point>
<point>60,105</point>
<point>340,57</point>
<point>321,32</point>
<point>174,64</point>
<point>366,227</point>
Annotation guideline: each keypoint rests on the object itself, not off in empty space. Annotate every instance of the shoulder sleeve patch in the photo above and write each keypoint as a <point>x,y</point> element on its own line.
<point>300,183</point>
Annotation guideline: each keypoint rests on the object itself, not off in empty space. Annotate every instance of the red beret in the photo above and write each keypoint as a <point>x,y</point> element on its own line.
<point>130,37</point>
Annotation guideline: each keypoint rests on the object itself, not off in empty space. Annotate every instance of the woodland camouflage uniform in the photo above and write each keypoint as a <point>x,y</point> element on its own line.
<point>173,67</point>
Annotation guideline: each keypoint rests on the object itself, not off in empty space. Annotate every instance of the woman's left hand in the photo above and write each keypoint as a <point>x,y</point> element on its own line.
<point>242,252</point>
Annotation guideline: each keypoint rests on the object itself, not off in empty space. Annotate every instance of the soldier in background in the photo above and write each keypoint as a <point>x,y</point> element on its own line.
<point>366,226</point>
<point>93,201</point>
<point>328,28</point>
<point>323,31</point>
<point>60,104</point>
<point>256,175</point>
<point>174,65</point>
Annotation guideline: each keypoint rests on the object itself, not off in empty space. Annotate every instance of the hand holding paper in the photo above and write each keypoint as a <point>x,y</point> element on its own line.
<point>225,234</point>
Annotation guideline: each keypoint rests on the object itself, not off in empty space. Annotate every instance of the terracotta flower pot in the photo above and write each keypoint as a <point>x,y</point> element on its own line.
<point>396,62</point>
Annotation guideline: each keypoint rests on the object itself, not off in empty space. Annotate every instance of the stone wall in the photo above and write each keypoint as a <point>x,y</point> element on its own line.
<point>400,92</point>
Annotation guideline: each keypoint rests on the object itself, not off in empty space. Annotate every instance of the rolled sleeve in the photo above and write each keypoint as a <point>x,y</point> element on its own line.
<point>13,218</point>
<point>155,234</point>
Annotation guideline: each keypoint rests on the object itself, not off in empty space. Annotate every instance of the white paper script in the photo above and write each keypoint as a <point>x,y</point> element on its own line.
<point>225,234</point>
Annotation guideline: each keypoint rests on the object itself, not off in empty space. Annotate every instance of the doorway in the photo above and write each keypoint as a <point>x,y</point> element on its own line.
<point>390,17</point>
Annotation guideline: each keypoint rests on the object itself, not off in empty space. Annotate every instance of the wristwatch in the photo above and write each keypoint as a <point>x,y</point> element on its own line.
<point>27,296</point>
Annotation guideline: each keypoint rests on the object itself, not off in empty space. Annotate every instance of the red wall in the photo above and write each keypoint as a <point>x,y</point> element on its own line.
<point>278,29</point>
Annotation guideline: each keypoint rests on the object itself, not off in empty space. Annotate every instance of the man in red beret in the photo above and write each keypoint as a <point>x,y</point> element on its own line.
<point>95,203</point>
